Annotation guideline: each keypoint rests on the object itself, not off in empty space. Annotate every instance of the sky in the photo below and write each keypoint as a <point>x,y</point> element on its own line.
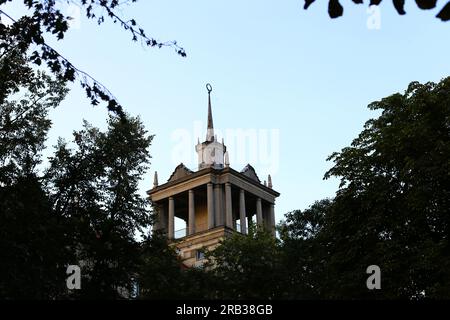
<point>290,86</point>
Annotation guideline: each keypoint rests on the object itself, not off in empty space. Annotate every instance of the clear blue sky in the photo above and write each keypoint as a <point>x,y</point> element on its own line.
<point>272,65</point>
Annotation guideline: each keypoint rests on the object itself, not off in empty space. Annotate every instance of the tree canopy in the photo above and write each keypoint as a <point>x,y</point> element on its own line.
<point>392,207</point>
<point>83,207</point>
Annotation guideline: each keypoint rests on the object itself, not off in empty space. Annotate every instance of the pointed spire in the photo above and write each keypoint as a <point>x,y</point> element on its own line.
<point>265,183</point>
<point>155,181</point>
<point>270,182</point>
<point>210,131</point>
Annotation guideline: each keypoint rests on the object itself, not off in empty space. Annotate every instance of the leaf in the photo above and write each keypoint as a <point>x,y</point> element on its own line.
<point>444,14</point>
<point>399,6</point>
<point>426,4</point>
<point>335,9</point>
<point>308,3</point>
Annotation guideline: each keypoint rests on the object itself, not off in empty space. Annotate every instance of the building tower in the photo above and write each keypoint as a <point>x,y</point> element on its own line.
<point>213,201</point>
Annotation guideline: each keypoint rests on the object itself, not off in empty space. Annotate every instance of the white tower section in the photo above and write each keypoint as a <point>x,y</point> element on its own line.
<point>211,153</point>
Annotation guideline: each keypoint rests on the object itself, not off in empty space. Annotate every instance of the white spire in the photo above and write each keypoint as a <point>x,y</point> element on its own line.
<point>210,130</point>
<point>211,153</point>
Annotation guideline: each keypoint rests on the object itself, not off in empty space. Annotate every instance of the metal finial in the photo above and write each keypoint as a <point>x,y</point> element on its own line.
<point>209,88</point>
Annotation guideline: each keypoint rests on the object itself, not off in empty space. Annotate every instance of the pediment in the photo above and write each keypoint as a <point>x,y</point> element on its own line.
<point>180,172</point>
<point>250,172</point>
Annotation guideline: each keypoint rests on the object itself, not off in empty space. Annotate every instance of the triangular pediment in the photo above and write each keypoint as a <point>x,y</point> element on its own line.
<point>250,172</point>
<point>180,172</point>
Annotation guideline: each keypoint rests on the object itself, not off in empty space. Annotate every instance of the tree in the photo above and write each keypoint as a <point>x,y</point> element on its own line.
<point>303,251</point>
<point>335,9</point>
<point>27,33</point>
<point>23,116</point>
<point>32,242</point>
<point>392,208</point>
<point>247,266</point>
<point>95,187</point>
<point>162,275</point>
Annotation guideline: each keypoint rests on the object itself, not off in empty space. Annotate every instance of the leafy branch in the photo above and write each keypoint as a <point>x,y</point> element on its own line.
<point>45,17</point>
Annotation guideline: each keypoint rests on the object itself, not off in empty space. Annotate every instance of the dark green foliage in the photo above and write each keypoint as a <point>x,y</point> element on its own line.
<point>247,267</point>
<point>392,208</point>
<point>303,252</point>
<point>33,246</point>
<point>95,187</point>
<point>163,276</point>
<point>26,96</point>
<point>84,209</point>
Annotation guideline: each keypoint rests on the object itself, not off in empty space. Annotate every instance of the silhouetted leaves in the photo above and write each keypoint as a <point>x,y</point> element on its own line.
<point>335,9</point>
<point>393,205</point>
<point>399,6</point>
<point>308,3</point>
<point>444,14</point>
<point>33,245</point>
<point>426,4</point>
<point>83,209</point>
<point>45,17</point>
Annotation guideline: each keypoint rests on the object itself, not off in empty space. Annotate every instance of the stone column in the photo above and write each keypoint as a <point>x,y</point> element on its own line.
<point>228,206</point>
<point>171,221</point>
<point>242,213</point>
<point>162,213</point>
<point>259,213</point>
<point>210,195</point>
<point>158,223</point>
<point>218,205</point>
<point>272,218</point>
<point>191,219</point>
